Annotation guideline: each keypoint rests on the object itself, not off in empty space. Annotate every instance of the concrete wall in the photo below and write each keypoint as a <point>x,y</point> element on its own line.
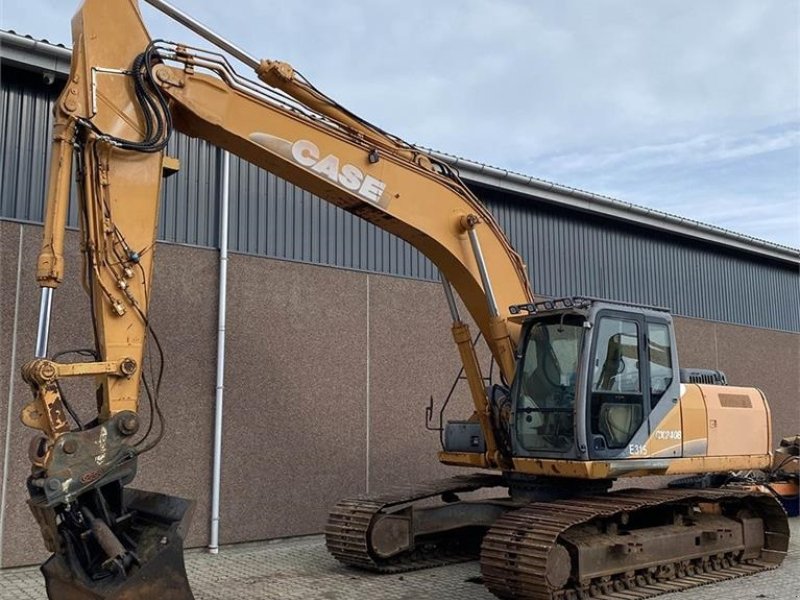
<point>763,358</point>
<point>328,375</point>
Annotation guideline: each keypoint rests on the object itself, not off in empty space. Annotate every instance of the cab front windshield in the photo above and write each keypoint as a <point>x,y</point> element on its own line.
<point>545,384</point>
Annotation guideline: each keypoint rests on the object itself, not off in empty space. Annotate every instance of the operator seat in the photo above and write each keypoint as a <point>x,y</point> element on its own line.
<point>618,422</point>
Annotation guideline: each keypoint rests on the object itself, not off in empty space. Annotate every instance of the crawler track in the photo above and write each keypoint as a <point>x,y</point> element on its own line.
<point>527,554</point>
<point>347,533</point>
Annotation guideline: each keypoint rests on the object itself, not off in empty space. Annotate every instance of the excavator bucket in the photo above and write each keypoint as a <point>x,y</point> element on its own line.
<point>142,558</point>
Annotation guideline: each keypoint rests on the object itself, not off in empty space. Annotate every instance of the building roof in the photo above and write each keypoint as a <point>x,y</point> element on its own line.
<point>558,194</point>
<point>53,59</point>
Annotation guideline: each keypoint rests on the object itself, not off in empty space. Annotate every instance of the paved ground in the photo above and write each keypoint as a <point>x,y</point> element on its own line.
<point>300,569</point>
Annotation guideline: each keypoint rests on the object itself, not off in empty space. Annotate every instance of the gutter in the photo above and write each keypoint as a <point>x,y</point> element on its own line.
<point>34,55</point>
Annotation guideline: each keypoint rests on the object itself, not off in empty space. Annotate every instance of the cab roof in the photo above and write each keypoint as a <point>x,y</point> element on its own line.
<point>522,312</point>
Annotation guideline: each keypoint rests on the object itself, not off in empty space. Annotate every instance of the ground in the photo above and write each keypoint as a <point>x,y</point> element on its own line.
<point>300,569</point>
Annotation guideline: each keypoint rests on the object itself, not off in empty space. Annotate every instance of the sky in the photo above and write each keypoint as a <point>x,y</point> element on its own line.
<point>689,107</point>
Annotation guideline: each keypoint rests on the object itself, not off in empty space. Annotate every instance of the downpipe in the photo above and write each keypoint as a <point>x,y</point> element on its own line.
<point>213,546</point>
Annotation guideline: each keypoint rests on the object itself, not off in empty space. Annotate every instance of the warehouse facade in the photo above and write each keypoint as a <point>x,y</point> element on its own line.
<point>329,369</point>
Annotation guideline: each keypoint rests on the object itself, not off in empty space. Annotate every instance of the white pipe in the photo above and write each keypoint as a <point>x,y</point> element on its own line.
<point>368,416</point>
<point>213,546</point>
<point>10,404</point>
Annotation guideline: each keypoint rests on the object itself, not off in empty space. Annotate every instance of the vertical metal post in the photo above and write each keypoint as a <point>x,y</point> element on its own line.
<point>10,402</point>
<point>367,390</point>
<point>213,546</point>
<point>487,285</point>
<point>43,330</point>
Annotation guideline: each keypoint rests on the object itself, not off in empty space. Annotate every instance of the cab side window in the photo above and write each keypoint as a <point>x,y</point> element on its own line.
<point>659,352</point>
<point>616,363</point>
<point>617,400</point>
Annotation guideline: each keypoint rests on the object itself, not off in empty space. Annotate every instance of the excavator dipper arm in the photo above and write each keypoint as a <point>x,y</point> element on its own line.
<point>113,119</point>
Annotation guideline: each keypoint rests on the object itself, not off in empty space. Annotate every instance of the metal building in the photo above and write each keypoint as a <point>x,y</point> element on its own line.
<point>738,294</point>
<point>572,241</point>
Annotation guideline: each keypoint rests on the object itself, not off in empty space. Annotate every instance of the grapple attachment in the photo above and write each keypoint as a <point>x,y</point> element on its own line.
<point>139,556</point>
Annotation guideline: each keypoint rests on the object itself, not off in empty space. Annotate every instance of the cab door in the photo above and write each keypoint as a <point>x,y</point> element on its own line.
<point>664,390</point>
<point>618,391</point>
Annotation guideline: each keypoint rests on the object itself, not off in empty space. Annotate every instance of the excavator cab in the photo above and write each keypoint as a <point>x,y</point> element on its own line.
<point>594,380</point>
<point>591,376</point>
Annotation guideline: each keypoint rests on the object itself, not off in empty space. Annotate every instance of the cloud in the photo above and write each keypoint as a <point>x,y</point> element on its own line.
<point>697,150</point>
<point>748,182</point>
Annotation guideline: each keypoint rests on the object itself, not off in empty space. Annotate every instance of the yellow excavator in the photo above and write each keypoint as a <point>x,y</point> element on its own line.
<point>588,390</point>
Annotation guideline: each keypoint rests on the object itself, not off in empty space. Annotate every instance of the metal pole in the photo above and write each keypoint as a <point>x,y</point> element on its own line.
<point>204,32</point>
<point>487,285</point>
<point>10,401</point>
<point>43,330</point>
<point>213,546</point>
<point>451,301</point>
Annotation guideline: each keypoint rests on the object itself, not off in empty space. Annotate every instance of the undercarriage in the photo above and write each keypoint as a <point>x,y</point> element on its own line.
<point>628,544</point>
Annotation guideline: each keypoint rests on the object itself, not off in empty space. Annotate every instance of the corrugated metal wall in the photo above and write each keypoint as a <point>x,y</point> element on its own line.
<point>271,217</point>
<point>567,252</point>
<point>574,253</point>
<point>26,120</point>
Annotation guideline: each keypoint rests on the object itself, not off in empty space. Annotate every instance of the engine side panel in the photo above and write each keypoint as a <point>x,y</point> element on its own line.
<point>738,420</point>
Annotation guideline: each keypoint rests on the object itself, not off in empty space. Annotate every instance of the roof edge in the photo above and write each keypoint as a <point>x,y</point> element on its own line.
<point>607,206</point>
<point>29,53</point>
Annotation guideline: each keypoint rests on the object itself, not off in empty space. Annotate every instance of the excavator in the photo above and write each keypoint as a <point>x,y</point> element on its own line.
<point>585,392</point>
